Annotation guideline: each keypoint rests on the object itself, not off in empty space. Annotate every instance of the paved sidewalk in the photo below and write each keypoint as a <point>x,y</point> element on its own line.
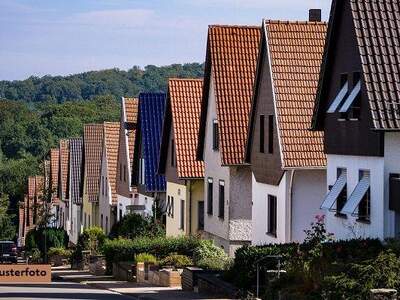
<point>135,290</point>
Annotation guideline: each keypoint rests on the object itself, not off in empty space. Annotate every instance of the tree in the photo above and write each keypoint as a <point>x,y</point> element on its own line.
<point>7,228</point>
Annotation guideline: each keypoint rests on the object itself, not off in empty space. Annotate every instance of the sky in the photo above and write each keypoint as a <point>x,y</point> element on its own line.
<point>62,37</point>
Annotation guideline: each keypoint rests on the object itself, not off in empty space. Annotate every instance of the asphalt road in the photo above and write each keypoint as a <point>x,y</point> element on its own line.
<point>56,290</point>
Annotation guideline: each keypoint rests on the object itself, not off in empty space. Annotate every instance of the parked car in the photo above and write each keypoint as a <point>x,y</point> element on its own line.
<point>8,252</point>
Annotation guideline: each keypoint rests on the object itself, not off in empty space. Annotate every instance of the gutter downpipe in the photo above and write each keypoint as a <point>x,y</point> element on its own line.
<point>291,203</point>
<point>190,207</point>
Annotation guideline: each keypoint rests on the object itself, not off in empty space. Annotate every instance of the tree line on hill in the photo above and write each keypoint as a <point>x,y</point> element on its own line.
<point>37,112</point>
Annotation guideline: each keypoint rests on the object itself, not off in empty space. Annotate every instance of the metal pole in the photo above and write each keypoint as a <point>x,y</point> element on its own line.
<point>258,281</point>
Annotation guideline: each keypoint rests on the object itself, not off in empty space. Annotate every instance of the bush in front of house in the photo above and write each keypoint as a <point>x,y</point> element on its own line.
<point>45,238</point>
<point>319,268</point>
<point>132,226</point>
<point>210,257</point>
<point>124,249</point>
<point>91,239</point>
<point>177,261</point>
<point>145,258</point>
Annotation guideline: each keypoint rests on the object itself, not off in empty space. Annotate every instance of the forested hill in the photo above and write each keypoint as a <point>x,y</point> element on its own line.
<point>86,86</point>
<point>37,112</point>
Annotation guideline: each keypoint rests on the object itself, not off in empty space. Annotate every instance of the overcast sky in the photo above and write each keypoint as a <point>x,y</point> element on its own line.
<point>60,37</point>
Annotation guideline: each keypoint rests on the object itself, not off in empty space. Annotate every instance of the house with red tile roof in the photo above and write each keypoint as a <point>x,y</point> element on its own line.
<point>108,186</point>
<point>287,159</point>
<point>230,68</point>
<point>93,135</point>
<point>63,183</point>
<point>75,188</point>
<point>127,195</point>
<point>53,185</point>
<point>184,174</point>
<point>357,109</point>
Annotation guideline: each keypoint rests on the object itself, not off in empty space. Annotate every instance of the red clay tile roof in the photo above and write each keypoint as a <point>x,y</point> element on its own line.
<point>64,166</point>
<point>31,186</point>
<point>111,139</point>
<point>185,96</point>
<point>377,25</point>
<point>296,50</point>
<point>93,147</point>
<point>39,186</point>
<point>131,106</point>
<point>54,166</point>
<point>232,53</point>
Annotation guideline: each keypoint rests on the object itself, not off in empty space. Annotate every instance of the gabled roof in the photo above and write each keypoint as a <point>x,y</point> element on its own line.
<point>377,30</point>
<point>75,158</point>
<point>231,61</point>
<point>295,54</point>
<point>183,103</point>
<point>130,108</point>
<point>111,138</point>
<point>54,169</point>
<point>93,145</point>
<point>151,114</point>
<point>64,167</point>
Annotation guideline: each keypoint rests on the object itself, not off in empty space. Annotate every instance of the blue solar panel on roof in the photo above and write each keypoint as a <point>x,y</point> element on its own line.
<point>151,110</point>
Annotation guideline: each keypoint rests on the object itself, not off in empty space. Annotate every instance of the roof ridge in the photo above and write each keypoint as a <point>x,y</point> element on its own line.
<point>184,79</point>
<point>270,21</point>
<point>232,26</point>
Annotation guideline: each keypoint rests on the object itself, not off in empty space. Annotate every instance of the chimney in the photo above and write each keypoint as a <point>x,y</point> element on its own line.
<point>314,15</point>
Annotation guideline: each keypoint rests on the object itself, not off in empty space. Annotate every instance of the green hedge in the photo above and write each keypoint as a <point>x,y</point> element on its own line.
<point>333,260</point>
<point>55,237</point>
<point>124,249</point>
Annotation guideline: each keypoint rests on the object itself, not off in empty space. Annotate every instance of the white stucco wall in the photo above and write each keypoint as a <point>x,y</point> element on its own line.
<point>349,228</point>
<point>392,165</point>
<point>212,224</point>
<point>260,192</point>
<point>173,222</point>
<point>235,228</point>
<point>105,200</point>
<point>309,187</point>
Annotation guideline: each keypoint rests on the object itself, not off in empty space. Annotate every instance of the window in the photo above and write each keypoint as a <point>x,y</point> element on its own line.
<point>342,197</point>
<point>172,153</point>
<point>270,134</point>
<point>106,224</point>
<point>120,214</point>
<point>272,213</point>
<point>394,192</point>
<point>172,207</point>
<point>106,186</point>
<point>124,173</point>
<point>120,172</point>
<point>344,88</point>
<point>101,220</point>
<point>262,133</point>
<point>84,222</point>
<point>221,199</point>
<point>89,224</point>
<point>215,135</point>
<point>182,219</point>
<point>210,196</point>
<point>364,208</point>
<point>102,185</point>
<point>200,215</point>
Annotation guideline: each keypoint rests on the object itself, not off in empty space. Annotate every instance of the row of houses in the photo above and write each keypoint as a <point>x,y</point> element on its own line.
<point>293,119</point>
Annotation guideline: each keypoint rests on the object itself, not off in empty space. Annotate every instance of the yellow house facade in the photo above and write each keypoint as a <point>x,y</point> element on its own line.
<point>183,173</point>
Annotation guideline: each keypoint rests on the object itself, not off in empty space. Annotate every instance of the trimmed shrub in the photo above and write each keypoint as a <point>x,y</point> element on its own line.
<point>176,260</point>
<point>123,249</point>
<point>59,252</point>
<point>91,239</point>
<point>210,257</point>
<point>132,226</point>
<point>145,258</point>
